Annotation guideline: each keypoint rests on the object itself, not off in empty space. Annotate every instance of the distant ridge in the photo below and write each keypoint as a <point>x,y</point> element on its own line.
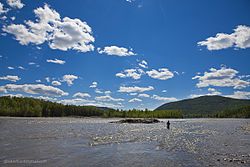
<point>204,105</point>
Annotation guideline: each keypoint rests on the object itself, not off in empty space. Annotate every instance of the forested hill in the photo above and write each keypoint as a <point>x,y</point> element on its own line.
<point>207,106</point>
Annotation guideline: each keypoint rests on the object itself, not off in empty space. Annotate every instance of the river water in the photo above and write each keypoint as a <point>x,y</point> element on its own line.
<point>96,142</point>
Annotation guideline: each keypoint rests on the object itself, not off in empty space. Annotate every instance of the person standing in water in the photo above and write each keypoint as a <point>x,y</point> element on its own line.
<point>168,125</point>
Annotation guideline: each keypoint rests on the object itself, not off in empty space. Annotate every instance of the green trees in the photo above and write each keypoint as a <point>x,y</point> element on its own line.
<point>30,107</point>
<point>240,112</point>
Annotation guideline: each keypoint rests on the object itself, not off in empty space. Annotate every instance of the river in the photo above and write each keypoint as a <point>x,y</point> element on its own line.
<point>96,142</point>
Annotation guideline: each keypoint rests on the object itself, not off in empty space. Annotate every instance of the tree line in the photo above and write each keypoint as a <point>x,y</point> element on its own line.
<point>31,107</point>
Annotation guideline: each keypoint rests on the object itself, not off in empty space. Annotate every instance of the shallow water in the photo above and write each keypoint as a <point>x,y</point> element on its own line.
<point>96,142</point>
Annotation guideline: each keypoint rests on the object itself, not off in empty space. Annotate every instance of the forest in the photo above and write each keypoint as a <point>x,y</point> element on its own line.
<point>31,107</point>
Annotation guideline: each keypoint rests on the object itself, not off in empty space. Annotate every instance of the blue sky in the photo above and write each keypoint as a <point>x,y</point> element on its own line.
<point>124,53</point>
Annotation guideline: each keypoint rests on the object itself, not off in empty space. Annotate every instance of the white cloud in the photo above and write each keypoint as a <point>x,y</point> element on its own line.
<point>21,67</point>
<point>224,77</point>
<point>81,95</point>
<point>72,34</point>
<point>15,3</point>
<point>56,61</point>
<point>240,38</point>
<point>162,74</point>
<point>31,63</point>
<point>69,79</point>
<point>124,89</point>
<point>38,80</point>
<point>2,90</point>
<point>56,83</point>
<point>244,76</point>
<point>134,100</point>
<point>143,95</point>
<point>130,1</point>
<point>240,95</point>
<point>63,34</point>
<point>34,89</point>
<point>12,95</point>
<point>13,18</point>
<point>93,85</point>
<point>11,78</point>
<point>212,92</point>
<point>2,9</point>
<point>116,51</point>
<point>47,79</point>
<point>46,98</point>
<point>132,73</point>
<point>143,64</point>
<point>3,18</point>
<point>108,98</point>
<point>156,97</point>
<point>98,91</point>
<point>107,92</point>
<point>11,68</point>
<point>81,102</point>
<point>133,94</point>
<point>164,91</point>
<point>77,101</point>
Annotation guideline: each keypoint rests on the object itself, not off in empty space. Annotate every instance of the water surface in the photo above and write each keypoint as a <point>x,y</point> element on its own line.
<point>96,142</point>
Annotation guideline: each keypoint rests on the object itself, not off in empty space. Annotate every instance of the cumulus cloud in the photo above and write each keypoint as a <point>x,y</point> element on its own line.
<point>34,89</point>
<point>212,92</point>
<point>161,74</point>
<point>63,34</point>
<point>108,98</point>
<point>11,78</point>
<point>93,85</point>
<point>98,91</point>
<point>81,95</point>
<point>81,102</point>
<point>240,95</point>
<point>56,83</point>
<point>15,4</point>
<point>240,38</point>
<point>168,99</point>
<point>130,73</point>
<point>12,95</point>
<point>134,100</point>
<point>124,89</point>
<point>224,77</point>
<point>56,61</point>
<point>143,64</point>
<point>69,79</point>
<point>107,92</point>
<point>143,95</point>
<point>116,51</point>
<point>77,101</point>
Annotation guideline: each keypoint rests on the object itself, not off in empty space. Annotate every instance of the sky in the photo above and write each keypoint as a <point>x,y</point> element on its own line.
<point>124,53</point>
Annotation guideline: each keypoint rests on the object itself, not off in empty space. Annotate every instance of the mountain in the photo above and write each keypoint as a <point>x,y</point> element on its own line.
<point>205,105</point>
